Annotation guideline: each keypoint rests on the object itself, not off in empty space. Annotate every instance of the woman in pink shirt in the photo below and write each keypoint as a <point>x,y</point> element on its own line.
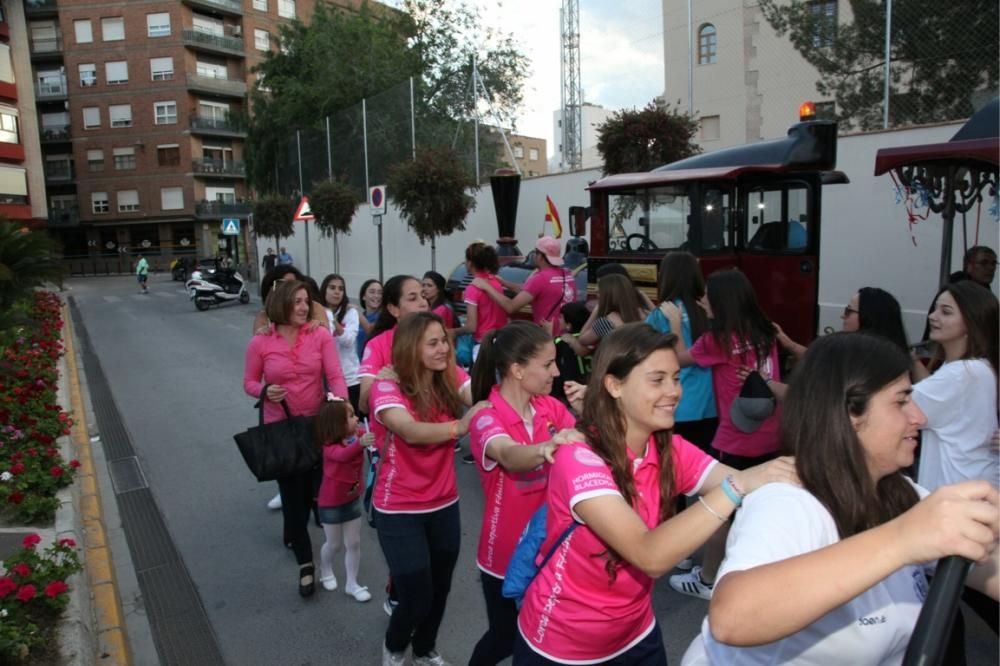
<point>512,444</point>
<point>416,494</point>
<point>288,365</point>
<point>482,313</point>
<point>592,601</point>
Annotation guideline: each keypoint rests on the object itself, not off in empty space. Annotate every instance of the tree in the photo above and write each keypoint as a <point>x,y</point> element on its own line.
<point>28,259</point>
<point>942,53</point>
<point>333,203</point>
<point>430,193</point>
<point>272,217</point>
<point>633,140</point>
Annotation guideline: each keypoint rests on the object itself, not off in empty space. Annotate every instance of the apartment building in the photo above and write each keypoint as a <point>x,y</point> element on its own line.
<point>529,153</point>
<point>592,116</point>
<point>142,108</point>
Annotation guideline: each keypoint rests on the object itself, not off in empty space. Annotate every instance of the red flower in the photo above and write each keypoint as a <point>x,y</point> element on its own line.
<point>74,463</point>
<point>26,594</point>
<point>15,497</point>
<point>17,468</point>
<point>51,452</point>
<point>21,569</point>
<point>56,470</point>
<point>31,541</point>
<point>32,451</point>
<point>67,542</point>
<point>55,588</point>
<point>7,585</point>
<point>63,417</point>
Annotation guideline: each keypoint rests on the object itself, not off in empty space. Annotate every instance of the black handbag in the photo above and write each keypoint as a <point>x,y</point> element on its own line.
<point>282,448</point>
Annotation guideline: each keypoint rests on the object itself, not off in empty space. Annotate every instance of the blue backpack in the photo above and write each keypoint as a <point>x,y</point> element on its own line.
<point>523,565</point>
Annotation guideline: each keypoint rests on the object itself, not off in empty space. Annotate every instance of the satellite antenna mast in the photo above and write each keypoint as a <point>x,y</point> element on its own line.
<point>572,93</point>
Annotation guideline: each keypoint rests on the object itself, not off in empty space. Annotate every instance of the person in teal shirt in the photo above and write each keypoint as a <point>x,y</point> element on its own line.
<point>142,273</point>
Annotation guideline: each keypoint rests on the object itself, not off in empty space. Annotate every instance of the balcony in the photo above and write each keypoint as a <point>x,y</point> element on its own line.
<point>58,173</point>
<point>64,217</point>
<point>229,7</point>
<point>216,126</point>
<point>55,133</point>
<point>212,85</point>
<point>46,48</point>
<point>218,168</point>
<point>40,8</point>
<point>213,210</point>
<point>51,89</point>
<point>203,41</point>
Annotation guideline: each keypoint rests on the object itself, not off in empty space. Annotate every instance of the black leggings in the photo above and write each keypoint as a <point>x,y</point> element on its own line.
<point>298,493</point>
<point>421,550</point>
<point>498,642</point>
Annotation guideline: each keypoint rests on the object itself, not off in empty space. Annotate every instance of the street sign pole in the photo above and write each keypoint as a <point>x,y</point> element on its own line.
<point>377,221</point>
<point>377,207</point>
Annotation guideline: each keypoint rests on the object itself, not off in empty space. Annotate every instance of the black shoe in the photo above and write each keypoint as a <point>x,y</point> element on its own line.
<point>307,580</point>
<point>469,459</point>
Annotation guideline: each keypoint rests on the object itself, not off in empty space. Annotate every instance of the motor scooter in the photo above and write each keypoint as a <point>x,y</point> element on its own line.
<point>217,286</point>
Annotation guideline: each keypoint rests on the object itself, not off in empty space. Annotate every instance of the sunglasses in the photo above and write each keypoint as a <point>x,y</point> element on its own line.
<point>848,311</point>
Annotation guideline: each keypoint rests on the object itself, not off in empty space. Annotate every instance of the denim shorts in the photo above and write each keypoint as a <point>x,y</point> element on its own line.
<point>345,513</point>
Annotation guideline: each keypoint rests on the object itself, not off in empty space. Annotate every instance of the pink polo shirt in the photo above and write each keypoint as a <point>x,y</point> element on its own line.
<point>511,497</point>
<point>572,613</point>
<point>377,354</point>
<point>550,289</point>
<point>298,367</point>
<point>446,314</point>
<point>727,384</point>
<point>411,478</point>
<point>489,315</point>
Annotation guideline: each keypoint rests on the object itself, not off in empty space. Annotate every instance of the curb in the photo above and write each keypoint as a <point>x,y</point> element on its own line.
<point>105,637</point>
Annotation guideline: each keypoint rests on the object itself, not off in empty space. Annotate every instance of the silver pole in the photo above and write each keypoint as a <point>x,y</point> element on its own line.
<point>475,102</point>
<point>413,124</point>
<point>888,55</point>
<point>329,174</point>
<point>302,191</point>
<point>690,61</point>
<point>364,134</point>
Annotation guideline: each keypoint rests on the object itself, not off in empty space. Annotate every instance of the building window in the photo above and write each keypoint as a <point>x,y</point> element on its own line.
<point>95,160</point>
<point>8,125</point>
<point>710,128</point>
<point>120,115</point>
<point>533,154</point>
<point>169,154</point>
<point>824,15</point>
<point>158,25</point>
<point>207,25</point>
<point>226,195</point>
<point>116,73</point>
<point>83,31</point>
<point>6,65</point>
<point>212,70</point>
<point>707,44</point>
<point>128,201</point>
<point>88,74</point>
<point>91,117</point>
<point>260,5</point>
<point>171,198</point>
<point>99,202</point>
<point>286,8</point>
<point>164,113</point>
<point>124,158</point>
<point>519,152</point>
<point>113,29</point>
<point>261,40</point>
<point>161,69</point>
<point>51,81</point>
<point>44,36</point>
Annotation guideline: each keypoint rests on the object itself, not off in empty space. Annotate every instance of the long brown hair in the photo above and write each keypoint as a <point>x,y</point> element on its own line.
<point>331,423</point>
<point>428,390</point>
<point>738,315</point>
<point>616,293</point>
<point>680,278</point>
<point>836,380</point>
<point>604,424</point>
<point>978,307</point>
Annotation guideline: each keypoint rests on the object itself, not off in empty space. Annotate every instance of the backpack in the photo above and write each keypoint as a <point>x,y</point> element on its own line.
<point>523,565</point>
<point>571,368</point>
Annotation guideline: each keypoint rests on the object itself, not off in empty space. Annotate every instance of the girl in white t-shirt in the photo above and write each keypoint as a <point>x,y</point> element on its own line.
<point>344,324</point>
<point>833,572</point>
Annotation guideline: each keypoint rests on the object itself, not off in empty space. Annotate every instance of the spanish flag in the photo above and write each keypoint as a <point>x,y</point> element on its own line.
<point>552,215</point>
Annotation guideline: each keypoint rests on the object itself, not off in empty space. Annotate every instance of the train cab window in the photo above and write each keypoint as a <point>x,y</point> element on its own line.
<point>669,218</point>
<point>778,218</point>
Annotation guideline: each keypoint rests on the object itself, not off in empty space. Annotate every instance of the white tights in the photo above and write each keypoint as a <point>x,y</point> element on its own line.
<point>347,536</point>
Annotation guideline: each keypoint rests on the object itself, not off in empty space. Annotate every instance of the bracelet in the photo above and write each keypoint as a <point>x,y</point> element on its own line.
<point>729,487</point>
<point>710,509</point>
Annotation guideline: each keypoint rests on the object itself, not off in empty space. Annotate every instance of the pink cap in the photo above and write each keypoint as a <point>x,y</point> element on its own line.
<point>549,246</point>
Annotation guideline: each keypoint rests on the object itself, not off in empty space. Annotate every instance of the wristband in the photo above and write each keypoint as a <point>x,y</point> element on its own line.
<point>729,488</point>
<point>710,509</point>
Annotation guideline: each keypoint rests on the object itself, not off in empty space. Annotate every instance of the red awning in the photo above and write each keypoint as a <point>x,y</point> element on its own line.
<point>968,153</point>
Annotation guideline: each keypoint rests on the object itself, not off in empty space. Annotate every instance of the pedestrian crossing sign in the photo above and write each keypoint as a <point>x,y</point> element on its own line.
<point>231,227</point>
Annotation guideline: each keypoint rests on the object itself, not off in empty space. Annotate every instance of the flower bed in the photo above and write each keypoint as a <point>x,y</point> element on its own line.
<point>32,469</point>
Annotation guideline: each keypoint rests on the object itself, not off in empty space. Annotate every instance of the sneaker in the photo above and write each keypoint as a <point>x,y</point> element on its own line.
<point>692,584</point>
<point>685,565</point>
<point>469,459</point>
<point>458,446</point>
<point>392,658</point>
<point>275,502</point>
<point>389,605</point>
<point>431,659</point>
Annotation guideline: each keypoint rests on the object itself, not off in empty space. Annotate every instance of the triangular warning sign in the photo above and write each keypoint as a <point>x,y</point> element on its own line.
<point>231,228</point>
<point>304,212</point>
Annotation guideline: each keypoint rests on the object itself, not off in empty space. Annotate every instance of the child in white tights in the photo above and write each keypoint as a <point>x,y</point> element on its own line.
<point>339,498</point>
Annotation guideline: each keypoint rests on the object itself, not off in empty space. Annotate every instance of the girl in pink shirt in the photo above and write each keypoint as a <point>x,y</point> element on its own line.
<point>288,365</point>
<point>482,313</point>
<point>339,499</point>
<point>591,602</point>
<point>512,442</point>
<point>416,495</point>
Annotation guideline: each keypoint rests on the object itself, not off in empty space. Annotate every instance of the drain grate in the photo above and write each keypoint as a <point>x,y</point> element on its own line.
<point>181,630</point>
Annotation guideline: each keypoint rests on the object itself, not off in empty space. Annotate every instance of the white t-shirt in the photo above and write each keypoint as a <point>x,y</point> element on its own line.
<point>960,401</point>
<point>780,521</point>
<point>349,362</point>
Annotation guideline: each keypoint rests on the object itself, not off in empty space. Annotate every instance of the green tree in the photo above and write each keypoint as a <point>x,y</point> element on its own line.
<point>272,217</point>
<point>942,54</point>
<point>333,203</point>
<point>634,140</point>
<point>28,259</point>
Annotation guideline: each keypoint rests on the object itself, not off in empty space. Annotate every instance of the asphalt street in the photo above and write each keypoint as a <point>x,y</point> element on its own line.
<point>176,376</point>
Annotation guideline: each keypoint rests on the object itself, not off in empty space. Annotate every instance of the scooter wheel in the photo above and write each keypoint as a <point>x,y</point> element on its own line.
<point>200,304</point>
<point>245,298</point>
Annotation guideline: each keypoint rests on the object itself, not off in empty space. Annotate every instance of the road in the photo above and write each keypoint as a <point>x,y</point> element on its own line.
<point>176,377</point>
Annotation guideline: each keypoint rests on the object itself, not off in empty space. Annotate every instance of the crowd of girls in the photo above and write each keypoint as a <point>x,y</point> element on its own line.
<point>797,551</point>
